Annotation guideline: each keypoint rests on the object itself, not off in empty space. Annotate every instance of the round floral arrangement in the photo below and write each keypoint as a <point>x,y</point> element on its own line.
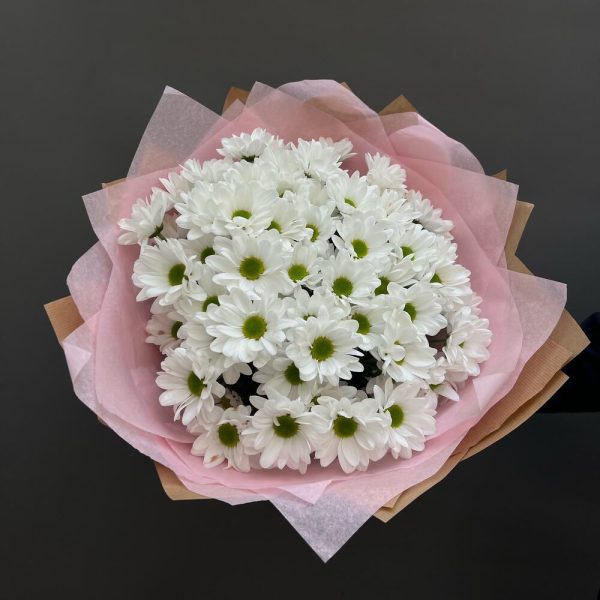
<point>303,311</point>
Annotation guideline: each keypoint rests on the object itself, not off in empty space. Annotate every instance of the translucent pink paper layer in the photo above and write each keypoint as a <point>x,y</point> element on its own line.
<point>114,370</point>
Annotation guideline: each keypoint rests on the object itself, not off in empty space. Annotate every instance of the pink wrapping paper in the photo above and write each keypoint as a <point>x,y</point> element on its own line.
<point>113,369</point>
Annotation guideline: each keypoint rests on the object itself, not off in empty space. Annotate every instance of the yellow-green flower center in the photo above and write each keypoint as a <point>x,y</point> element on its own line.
<point>407,250</point>
<point>176,274</point>
<point>436,278</point>
<point>350,202</point>
<point>195,384</point>
<point>286,427</point>
<point>322,348</point>
<point>254,327</point>
<point>297,272</point>
<point>344,427</point>
<point>210,300</point>
<point>228,435</point>
<point>342,286</point>
<point>208,251</point>
<point>175,328</point>
<point>292,375</point>
<point>245,214</point>
<point>252,268</point>
<point>364,325</point>
<point>360,248</point>
<point>397,415</point>
<point>315,231</point>
<point>383,285</point>
<point>410,310</point>
<point>275,225</point>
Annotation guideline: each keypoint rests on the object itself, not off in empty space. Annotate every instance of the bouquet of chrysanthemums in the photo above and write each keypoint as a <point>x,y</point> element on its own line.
<point>305,302</point>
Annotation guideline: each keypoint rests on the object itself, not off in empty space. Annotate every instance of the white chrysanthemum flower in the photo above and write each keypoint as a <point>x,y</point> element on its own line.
<point>246,330</point>
<point>412,416</point>
<point>210,171</point>
<point>342,147</point>
<point>246,146</point>
<point>200,248</point>
<point>428,216</point>
<point>420,302</point>
<point>405,355</point>
<point>353,193</point>
<point>287,221</point>
<point>282,376</point>
<point>338,392</point>
<point>256,266</point>
<point>280,432</point>
<point>163,329</point>
<point>399,212</point>
<point>325,349</point>
<point>350,431</point>
<point>416,245</point>
<point>318,160</point>
<point>312,192</point>
<point>451,281</point>
<point>304,266</point>
<point>303,305</point>
<point>165,270</point>
<point>221,438</point>
<point>147,219</point>
<point>384,174</point>
<point>190,382</point>
<point>248,207</point>
<point>467,342</point>
<point>196,210</point>
<point>320,225</point>
<point>349,279</point>
<point>364,237</point>
<point>394,270</point>
<point>371,323</point>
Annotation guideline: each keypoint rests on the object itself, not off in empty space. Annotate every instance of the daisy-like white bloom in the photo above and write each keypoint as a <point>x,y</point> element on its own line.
<point>325,349</point>
<point>320,225</point>
<point>451,282</point>
<point>247,207</point>
<point>303,305</point>
<point>165,270</point>
<point>201,247</point>
<point>371,323</point>
<point>338,392</point>
<point>255,265</point>
<point>394,270</point>
<point>417,245</point>
<point>312,192</point>
<point>163,329</point>
<point>196,210</point>
<point>221,438</point>
<point>280,432</point>
<point>405,355</point>
<point>353,193</point>
<point>282,376</point>
<point>420,303</point>
<point>349,279</point>
<point>342,147</point>
<point>467,343</point>
<point>287,221</point>
<point>350,431</point>
<point>246,146</point>
<point>428,216</point>
<point>146,221</point>
<point>319,160</point>
<point>412,416</point>
<point>385,174</point>
<point>304,266</point>
<point>246,330</point>
<point>398,211</point>
<point>190,383</point>
<point>364,237</point>
<point>210,171</point>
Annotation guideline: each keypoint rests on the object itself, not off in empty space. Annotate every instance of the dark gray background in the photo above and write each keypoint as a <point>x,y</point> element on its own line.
<point>83,515</point>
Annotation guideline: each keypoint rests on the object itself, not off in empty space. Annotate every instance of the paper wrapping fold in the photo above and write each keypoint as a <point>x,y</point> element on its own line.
<point>539,380</point>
